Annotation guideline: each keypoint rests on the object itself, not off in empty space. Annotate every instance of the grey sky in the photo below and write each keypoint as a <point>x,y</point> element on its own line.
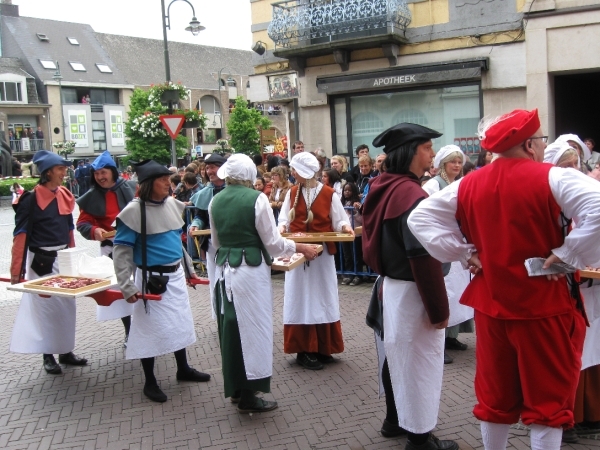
<point>227,22</point>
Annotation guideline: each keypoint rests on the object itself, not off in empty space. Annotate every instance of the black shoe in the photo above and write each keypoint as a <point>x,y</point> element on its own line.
<point>585,428</point>
<point>570,436</point>
<point>308,361</point>
<point>455,344</point>
<point>325,359</point>
<point>389,430</point>
<point>192,375</point>
<point>71,360</point>
<point>154,393</point>
<point>448,359</point>
<point>235,398</point>
<point>257,406</point>
<point>50,365</point>
<point>356,281</point>
<point>432,443</point>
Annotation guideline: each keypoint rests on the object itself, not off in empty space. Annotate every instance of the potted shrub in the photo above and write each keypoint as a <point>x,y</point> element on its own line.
<point>168,92</point>
<point>64,148</point>
<point>193,118</point>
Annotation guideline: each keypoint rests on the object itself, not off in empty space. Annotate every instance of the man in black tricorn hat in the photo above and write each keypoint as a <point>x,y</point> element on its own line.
<point>415,304</point>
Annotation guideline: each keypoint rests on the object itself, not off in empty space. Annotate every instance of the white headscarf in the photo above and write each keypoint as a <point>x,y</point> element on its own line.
<point>573,137</point>
<point>445,151</point>
<point>239,167</point>
<point>554,151</point>
<point>306,164</point>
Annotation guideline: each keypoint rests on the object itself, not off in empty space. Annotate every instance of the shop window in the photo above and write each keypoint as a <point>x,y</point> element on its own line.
<point>367,123</point>
<point>10,92</point>
<point>99,135</point>
<point>410,116</point>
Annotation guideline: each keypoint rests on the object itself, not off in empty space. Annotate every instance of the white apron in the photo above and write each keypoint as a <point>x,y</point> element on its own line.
<point>250,289</point>
<point>456,282</point>
<point>118,308</point>
<point>44,325</point>
<point>167,327</point>
<point>415,354</point>
<point>591,345</point>
<point>311,293</point>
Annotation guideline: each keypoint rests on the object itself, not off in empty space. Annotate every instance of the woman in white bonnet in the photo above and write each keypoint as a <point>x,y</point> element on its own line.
<point>450,160</point>
<point>562,154</point>
<point>311,311</point>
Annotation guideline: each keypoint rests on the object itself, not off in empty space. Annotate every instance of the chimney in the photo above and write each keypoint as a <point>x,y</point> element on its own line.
<point>8,9</point>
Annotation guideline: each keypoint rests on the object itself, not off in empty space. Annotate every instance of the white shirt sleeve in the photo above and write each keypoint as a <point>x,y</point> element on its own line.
<point>284,211</point>
<point>433,222</point>
<point>338,215</point>
<point>268,232</point>
<point>431,187</point>
<point>579,198</point>
<point>213,232</point>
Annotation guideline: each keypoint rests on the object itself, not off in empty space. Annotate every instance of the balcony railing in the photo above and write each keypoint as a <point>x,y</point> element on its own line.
<point>17,145</point>
<point>295,21</point>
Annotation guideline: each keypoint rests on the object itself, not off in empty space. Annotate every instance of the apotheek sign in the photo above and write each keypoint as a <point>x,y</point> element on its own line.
<point>407,76</point>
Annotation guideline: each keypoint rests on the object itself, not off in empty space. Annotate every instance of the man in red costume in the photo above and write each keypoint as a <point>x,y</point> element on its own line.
<point>530,330</point>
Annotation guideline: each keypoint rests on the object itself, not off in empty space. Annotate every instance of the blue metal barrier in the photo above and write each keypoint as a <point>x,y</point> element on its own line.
<point>354,270</point>
<point>192,242</point>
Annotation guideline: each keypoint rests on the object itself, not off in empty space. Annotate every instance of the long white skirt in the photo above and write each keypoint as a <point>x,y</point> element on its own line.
<point>456,282</point>
<point>168,324</point>
<point>44,325</point>
<point>415,354</point>
<point>250,289</point>
<point>591,345</point>
<point>311,293</point>
<point>118,308</point>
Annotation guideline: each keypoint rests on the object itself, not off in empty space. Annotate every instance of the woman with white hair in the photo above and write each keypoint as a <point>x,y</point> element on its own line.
<point>245,236</point>
<point>449,160</point>
<point>311,310</point>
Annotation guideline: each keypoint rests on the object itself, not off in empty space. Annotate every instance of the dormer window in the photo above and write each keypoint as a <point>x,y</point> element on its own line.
<point>104,68</point>
<point>77,66</point>
<point>48,64</point>
<point>42,37</point>
<point>10,92</point>
<point>73,41</point>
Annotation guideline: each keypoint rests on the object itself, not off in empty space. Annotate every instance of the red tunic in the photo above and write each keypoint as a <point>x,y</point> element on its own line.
<point>112,211</point>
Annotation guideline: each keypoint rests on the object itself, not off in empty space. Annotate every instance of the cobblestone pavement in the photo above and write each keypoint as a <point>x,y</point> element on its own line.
<point>102,405</point>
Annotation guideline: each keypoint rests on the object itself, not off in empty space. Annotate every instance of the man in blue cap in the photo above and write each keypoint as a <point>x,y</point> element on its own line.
<point>45,325</point>
<point>98,209</point>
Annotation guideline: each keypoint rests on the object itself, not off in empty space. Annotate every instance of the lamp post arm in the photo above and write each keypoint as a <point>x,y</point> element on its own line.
<point>169,8</point>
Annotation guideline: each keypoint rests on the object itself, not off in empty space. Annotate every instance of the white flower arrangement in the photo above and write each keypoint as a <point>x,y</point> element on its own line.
<point>148,125</point>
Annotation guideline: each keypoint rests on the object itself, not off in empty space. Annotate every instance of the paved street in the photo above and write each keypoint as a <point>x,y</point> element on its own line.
<point>102,405</point>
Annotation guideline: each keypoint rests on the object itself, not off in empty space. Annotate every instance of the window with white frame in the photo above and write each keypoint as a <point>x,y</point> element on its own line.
<point>104,68</point>
<point>73,41</point>
<point>48,64</point>
<point>77,66</point>
<point>10,92</point>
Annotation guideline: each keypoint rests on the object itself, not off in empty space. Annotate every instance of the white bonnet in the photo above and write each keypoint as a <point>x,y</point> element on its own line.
<point>445,151</point>
<point>573,137</point>
<point>239,167</point>
<point>305,164</point>
<point>554,151</point>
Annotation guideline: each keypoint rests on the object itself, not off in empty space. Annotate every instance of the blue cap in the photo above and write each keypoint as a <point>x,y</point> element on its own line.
<point>104,160</point>
<point>45,160</point>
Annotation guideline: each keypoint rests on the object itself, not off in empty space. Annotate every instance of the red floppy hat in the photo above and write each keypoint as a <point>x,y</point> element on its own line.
<point>510,130</point>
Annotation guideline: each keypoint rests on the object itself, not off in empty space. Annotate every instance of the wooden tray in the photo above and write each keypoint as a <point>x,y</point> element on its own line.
<point>331,236</point>
<point>589,274</point>
<point>34,287</point>
<point>286,267</point>
<point>201,232</point>
<point>109,234</point>
<point>358,231</point>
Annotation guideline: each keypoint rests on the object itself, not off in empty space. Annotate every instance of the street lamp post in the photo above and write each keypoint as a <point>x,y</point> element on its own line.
<point>219,98</point>
<point>58,77</point>
<point>195,28</point>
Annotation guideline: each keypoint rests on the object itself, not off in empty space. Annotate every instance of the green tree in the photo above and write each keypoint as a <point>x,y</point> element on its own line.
<point>147,139</point>
<point>244,128</point>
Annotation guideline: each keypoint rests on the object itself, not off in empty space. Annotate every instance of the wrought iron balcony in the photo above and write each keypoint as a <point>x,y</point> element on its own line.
<point>311,22</point>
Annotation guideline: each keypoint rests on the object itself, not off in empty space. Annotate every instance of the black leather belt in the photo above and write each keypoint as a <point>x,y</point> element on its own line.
<point>163,269</point>
<point>43,252</point>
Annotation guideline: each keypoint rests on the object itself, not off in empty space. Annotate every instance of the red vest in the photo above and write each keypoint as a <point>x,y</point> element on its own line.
<point>321,208</point>
<point>507,210</point>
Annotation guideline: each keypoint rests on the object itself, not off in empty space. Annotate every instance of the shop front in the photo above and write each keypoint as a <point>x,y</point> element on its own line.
<point>445,97</point>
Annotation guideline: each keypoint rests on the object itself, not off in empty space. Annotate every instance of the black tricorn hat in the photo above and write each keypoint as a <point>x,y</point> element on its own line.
<point>403,133</point>
<point>149,169</point>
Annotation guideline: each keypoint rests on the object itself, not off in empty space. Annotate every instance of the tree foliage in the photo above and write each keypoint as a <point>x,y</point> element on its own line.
<point>147,138</point>
<point>244,128</point>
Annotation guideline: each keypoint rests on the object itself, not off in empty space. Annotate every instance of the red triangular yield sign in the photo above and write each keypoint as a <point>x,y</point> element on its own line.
<point>172,123</point>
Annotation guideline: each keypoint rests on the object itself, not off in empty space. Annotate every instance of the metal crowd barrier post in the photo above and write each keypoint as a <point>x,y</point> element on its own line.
<point>352,271</point>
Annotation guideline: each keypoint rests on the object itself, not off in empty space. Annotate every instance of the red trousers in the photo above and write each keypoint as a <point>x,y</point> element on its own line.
<point>528,369</point>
